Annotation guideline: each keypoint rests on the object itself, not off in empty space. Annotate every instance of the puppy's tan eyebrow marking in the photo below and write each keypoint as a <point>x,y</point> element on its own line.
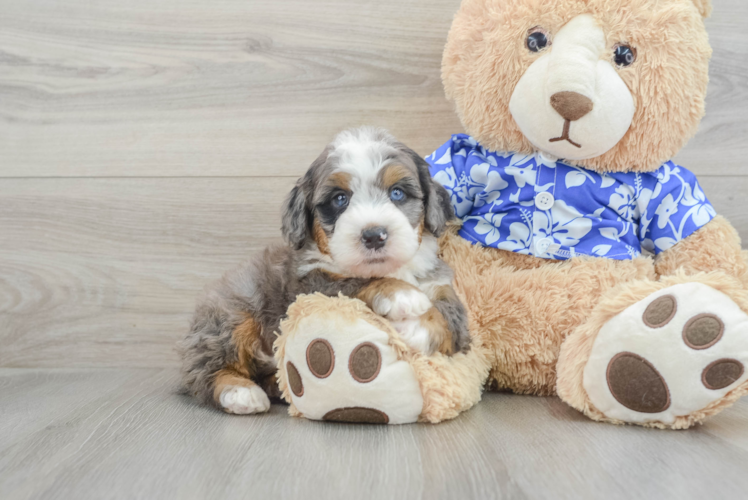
<point>392,174</point>
<point>341,180</point>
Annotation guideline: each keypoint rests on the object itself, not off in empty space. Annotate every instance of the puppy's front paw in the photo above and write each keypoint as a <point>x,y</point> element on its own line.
<point>402,305</point>
<point>415,335</point>
<point>244,400</point>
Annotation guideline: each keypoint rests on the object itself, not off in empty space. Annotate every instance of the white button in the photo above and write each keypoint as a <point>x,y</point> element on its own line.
<point>541,246</point>
<point>544,200</point>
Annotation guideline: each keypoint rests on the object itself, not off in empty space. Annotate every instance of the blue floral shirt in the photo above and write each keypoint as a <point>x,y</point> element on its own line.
<point>533,205</point>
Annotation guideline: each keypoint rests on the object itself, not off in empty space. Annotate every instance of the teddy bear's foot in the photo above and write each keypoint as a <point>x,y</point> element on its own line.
<point>344,370</point>
<point>669,360</point>
<point>339,361</point>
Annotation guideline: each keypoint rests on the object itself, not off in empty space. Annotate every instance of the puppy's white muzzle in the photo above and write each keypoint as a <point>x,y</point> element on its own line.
<point>349,251</point>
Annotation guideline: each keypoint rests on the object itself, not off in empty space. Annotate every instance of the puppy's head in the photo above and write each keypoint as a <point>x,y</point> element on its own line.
<point>366,201</point>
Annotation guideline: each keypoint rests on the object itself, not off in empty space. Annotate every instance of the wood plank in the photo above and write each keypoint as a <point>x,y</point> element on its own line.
<point>236,88</point>
<point>167,88</point>
<point>127,434</point>
<point>105,272</point>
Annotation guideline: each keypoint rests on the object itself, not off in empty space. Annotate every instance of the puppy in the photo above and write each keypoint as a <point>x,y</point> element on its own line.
<point>364,222</point>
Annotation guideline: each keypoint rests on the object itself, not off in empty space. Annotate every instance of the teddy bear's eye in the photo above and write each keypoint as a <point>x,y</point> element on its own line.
<point>537,40</point>
<point>624,55</point>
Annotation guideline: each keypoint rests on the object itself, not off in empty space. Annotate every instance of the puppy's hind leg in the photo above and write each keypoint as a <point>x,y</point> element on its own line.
<point>237,394</point>
<point>233,388</point>
<point>220,358</point>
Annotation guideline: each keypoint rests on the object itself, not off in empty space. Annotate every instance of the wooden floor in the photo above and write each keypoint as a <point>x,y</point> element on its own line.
<point>145,147</point>
<point>126,433</point>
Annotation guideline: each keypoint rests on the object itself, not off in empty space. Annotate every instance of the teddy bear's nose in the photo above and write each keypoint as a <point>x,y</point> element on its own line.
<point>571,105</point>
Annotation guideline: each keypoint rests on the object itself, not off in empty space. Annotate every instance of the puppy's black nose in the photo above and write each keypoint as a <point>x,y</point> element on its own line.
<point>374,238</point>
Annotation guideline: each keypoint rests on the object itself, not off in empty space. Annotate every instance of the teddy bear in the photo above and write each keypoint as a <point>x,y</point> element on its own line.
<point>592,266</point>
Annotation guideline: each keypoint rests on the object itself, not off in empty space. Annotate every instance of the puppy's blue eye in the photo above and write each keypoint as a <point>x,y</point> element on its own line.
<point>397,194</point>
<point>340,200</point>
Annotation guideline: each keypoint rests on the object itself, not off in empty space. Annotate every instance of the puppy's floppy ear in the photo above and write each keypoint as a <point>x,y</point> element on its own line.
<point>295,220</point>
<point>436,200</point>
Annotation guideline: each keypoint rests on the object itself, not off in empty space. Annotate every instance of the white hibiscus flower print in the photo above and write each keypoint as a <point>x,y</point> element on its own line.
<point>484,185</point>
<point>522,175</point>
<point>664,175</point>
<point>522,169</point>
<point>518,240</point>
<point>446,158</point>
<point>702,212</point>
<point>563,223</point>
<point>622,201</point>
<point>488,227</point>
<point>668,206</point>
<point>457,193</point>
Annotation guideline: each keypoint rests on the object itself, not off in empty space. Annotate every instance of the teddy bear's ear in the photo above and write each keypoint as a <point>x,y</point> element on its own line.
<point>704,7</point>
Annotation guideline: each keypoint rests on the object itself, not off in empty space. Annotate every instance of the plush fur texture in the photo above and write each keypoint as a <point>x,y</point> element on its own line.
<point>534,322</point>
<point>449,384</point>
<point>576,349</point>
<point>522,308</point>
<point>486,55</point>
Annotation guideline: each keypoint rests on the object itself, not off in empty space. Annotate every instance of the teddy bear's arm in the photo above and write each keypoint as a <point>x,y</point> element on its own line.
<point>714,247</point>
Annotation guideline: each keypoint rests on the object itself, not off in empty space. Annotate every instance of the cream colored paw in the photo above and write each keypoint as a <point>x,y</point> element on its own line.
<point>346,371</point>
<point>403,304</point>
<point>672,354</point>
<point>244,400</point>
<point>415,335</point>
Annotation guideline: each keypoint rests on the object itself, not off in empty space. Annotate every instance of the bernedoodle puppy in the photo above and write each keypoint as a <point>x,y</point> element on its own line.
<point>363,222</point>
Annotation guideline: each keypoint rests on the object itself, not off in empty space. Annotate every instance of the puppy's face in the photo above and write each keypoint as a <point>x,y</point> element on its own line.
<point>366,202</point>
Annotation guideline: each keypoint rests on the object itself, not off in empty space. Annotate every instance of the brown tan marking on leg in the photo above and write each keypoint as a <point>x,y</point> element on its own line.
<point>438,329</point>
<point>247,340</point>
<point>226,378</point>
<point>320,237</point>
<point>385,287</point>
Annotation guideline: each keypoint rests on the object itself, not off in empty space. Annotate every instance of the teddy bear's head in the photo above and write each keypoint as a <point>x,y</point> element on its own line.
<point>609,85</point>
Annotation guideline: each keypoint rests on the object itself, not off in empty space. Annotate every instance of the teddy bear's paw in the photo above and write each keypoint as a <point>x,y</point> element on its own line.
<point>677,352</point>
<point>349,373</point>
<point>244,400</point>
<point>402,305</point>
